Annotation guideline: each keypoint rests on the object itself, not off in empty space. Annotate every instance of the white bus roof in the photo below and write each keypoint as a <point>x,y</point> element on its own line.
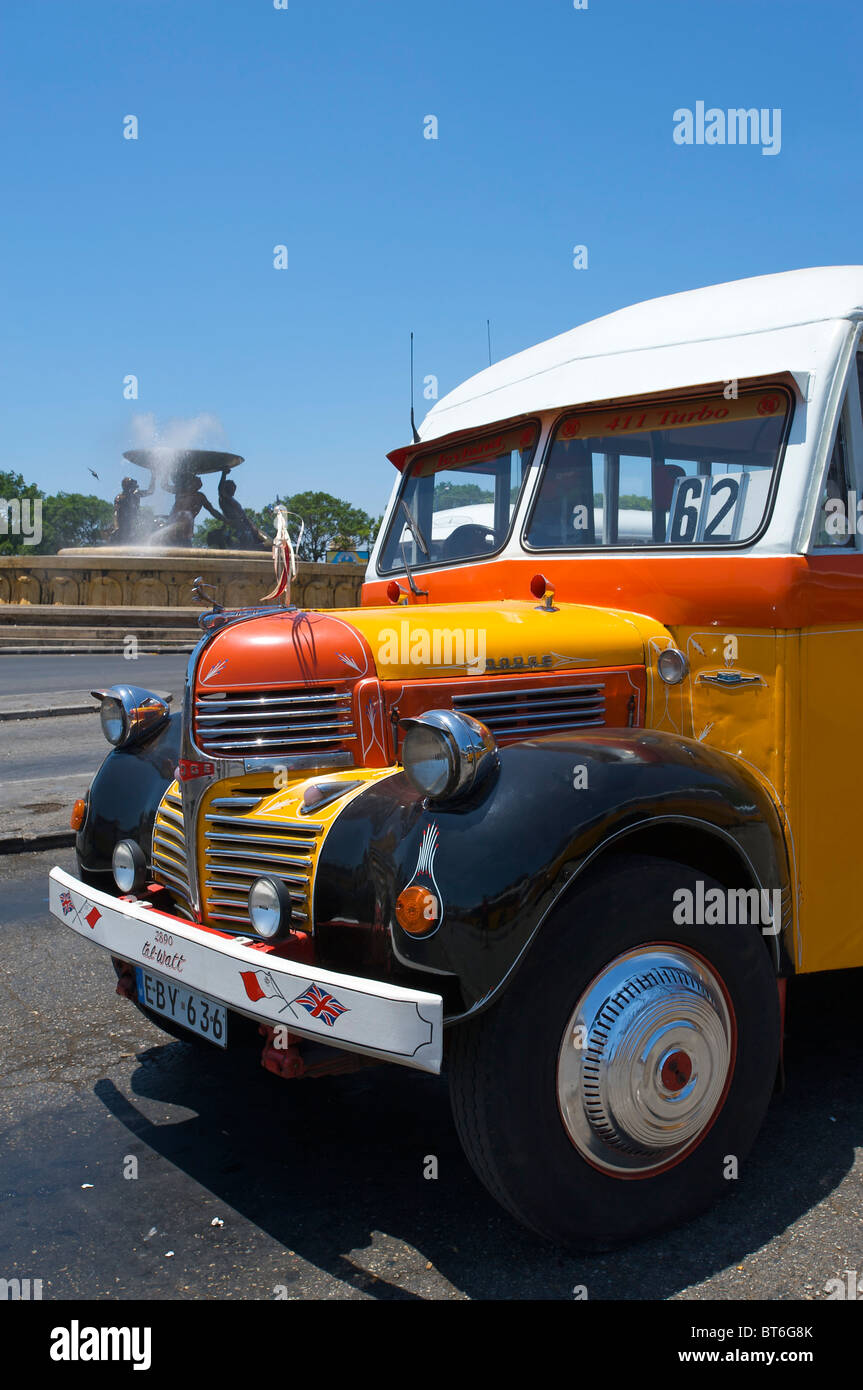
<point>791,322</point>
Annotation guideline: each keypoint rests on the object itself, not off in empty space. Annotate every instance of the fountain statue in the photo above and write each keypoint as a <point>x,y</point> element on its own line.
<point>127,512</point>
<point>179,471</point>
<point>147,563</point>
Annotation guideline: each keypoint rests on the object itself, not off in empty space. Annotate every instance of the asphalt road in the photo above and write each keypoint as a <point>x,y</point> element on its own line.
<point>46,763</point>
<point>65,747</point>
<point>27,675</point>
<point>246,1183</point>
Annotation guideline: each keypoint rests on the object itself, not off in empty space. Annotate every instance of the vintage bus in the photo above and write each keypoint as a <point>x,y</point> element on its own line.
<point>566,802</point>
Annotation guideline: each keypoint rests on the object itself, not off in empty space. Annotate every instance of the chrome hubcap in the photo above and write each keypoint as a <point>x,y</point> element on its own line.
<point>644,1060</point>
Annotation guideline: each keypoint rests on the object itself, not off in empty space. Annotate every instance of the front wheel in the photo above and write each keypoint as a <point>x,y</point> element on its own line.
<point>616,1087</point>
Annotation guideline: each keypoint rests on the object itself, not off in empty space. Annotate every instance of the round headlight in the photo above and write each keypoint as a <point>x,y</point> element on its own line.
<point>113,718</point>
<point>270,907</point>
<point>130,714</point>
<point>128,866</point>
<point>446,753</point>
<point>672,666</point>
<point>427,759</point>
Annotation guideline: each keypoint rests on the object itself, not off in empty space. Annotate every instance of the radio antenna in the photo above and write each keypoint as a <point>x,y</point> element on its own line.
<point>488,334</point>
<point>413,424</point>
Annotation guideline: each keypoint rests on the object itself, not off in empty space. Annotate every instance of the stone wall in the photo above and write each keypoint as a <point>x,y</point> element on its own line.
<point>164,580</point>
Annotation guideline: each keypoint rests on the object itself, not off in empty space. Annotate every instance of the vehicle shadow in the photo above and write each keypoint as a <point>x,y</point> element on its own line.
<point>322,1165</point>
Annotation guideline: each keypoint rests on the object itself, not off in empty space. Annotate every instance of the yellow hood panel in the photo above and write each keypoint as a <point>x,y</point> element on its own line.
<point>422,641</point>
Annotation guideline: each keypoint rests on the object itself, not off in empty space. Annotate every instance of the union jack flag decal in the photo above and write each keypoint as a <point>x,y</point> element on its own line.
<point>66,903</point>
<point>320,1005</point>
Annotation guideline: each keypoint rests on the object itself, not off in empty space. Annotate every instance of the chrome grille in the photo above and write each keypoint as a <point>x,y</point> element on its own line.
<point>240,847</point>
<point>535,709</point>
<point>169,848</point>
<point>299,720</point>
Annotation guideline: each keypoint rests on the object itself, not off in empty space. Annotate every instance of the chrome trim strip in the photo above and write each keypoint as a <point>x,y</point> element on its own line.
<point>255,857</point>
<point>531,692</point>
<point>224,887</point>
<point>528,728</point>
<point>170,850</point>
<point>287,741</point>
<point>298,762</point>
<point>254,826</point>
<point>532,708</point>
<point>172,829</point>
<point>245,698</point>
<point>244,921</point>
<point>270,728</point>
<point>502,716</point>
<point>249,801</point>
<point>177,884</point>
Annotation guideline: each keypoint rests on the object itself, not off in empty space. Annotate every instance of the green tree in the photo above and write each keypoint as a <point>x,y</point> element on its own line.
<point>73,518</point>
<point>263,520</point>
<point>448,495</point>
<point>627,501</point>
<point>14,489</point>
<point>330,523</point>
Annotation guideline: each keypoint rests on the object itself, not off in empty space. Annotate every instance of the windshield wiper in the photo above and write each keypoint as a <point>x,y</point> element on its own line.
<point>423,545</point>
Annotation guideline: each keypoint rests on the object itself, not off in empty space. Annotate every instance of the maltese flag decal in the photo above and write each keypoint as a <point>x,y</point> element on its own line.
<point>260,984</point>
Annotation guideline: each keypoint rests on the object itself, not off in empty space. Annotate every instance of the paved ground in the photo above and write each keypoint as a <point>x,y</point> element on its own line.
<point>29,674</point>
<point>46,763</point>
<point>318,1186</point>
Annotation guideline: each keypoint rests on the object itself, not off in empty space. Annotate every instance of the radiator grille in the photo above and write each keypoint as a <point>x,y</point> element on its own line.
<point>535,709</point>
<point>240,847</point>
<point>299,720</point>
<point>169,848</point>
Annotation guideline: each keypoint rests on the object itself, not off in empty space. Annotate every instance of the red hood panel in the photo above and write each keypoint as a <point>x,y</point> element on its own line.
<point>284,649</point>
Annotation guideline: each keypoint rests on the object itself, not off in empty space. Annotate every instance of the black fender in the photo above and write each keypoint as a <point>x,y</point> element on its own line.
<point>505,857</point>
<point>125,794</point>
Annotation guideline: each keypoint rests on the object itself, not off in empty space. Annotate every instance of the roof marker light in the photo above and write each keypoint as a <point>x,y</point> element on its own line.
<point>541,588</point>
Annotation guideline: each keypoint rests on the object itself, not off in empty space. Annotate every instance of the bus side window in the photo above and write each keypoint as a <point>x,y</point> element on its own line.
<point>835,527</point>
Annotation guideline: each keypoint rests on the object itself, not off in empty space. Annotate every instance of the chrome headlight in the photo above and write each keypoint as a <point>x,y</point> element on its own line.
<point>270,907</point>
<point>447,754</point>
<point>672,666</point>
<point>129,866</point>
<point>130,714</point>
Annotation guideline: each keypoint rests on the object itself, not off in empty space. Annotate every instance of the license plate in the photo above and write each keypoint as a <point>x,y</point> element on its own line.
<point>191,1010</point>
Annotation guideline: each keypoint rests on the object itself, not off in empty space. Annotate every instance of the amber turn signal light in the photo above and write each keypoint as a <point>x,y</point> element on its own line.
<point>416,910</point>
<point>76,820</point>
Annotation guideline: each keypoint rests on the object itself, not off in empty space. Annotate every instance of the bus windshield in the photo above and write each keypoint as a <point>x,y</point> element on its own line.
<point>683,472</point>
<point>461,499</point>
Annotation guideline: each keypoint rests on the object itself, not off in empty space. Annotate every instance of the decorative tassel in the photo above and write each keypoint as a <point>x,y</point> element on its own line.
<point>284,557</point>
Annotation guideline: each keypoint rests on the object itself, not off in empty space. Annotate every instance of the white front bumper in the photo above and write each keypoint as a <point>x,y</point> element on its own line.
<point>345,1011</point>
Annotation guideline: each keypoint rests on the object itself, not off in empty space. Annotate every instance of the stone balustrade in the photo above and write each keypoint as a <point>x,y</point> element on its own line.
<point>108,578</point>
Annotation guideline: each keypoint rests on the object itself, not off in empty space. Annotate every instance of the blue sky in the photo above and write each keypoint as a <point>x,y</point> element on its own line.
<point>304,127</point>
